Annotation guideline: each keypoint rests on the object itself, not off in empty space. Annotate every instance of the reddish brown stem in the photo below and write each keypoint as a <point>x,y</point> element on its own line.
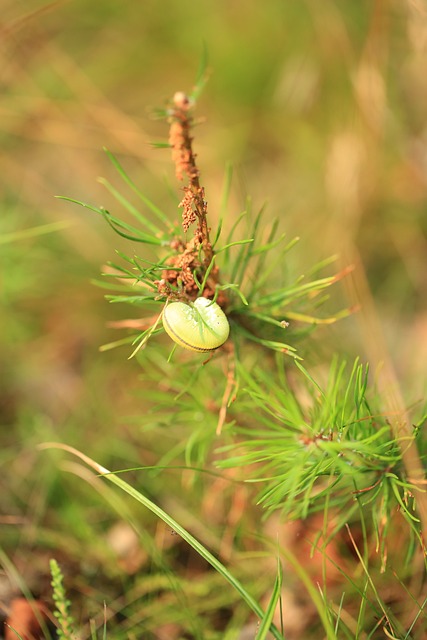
<point>193,203</point>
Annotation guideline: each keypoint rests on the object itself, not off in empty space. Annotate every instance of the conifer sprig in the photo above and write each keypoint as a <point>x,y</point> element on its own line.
<point>244,273</point>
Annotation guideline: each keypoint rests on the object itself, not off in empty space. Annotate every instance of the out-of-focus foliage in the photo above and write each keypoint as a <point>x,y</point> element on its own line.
<point>320,107</point>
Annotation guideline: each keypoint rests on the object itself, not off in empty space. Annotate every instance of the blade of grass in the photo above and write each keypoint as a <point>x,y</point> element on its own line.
<point>14,631</point>
<point>173,524</point>
<point>314,595</point>
<point>268,617</point>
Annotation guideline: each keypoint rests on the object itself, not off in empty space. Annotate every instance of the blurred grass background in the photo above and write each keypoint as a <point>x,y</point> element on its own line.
<point>320,107</point>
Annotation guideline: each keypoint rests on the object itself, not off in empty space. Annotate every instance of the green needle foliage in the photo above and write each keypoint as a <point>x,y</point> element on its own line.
<point>333,450</point>
<point>275,319</point>
<point>244,271</point>
<point>310,447</point>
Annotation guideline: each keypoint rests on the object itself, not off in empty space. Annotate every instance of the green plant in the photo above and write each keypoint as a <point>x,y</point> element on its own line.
<point>62,613</point>
<point>325,444</point>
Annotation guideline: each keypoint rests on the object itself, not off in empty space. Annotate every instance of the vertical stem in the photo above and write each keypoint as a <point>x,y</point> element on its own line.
<point>185,163</point>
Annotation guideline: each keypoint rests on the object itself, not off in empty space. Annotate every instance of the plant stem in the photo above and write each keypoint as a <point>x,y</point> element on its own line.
<point>185,162</point>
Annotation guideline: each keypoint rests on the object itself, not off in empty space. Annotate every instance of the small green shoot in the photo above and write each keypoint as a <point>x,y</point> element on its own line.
<point>62,614</point>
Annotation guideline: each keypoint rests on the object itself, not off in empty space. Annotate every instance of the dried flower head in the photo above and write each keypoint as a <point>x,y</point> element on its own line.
<point>188,214</point>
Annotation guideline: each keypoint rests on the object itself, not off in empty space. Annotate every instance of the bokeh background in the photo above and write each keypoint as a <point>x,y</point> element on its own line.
<point>321,109</point>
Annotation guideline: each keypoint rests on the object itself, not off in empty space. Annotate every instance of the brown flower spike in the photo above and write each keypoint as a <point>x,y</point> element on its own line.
<point>195,255</point>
